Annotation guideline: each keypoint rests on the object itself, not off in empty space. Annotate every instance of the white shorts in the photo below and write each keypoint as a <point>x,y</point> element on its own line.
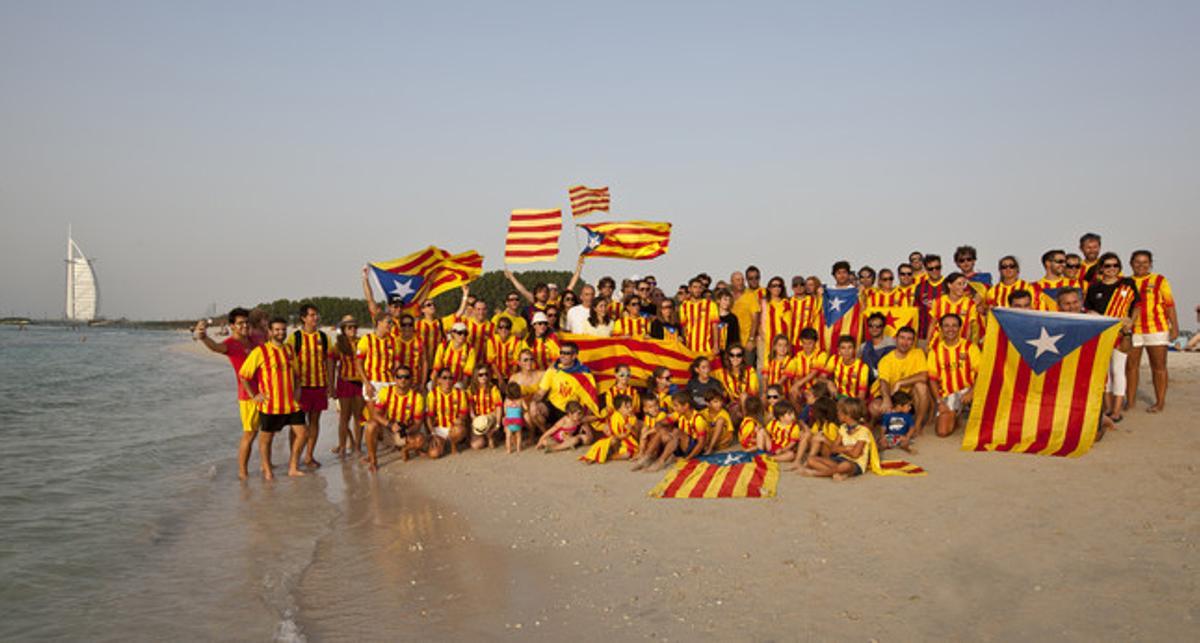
<point>1151,339</point>
<point>955,399</point>
<point>378,387</point>
<point>1116,374</point>
<point>442,432</point>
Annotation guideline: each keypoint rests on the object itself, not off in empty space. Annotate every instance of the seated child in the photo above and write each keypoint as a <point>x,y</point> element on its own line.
<point>773,395</point>
<point>515,408</point>
<point>782,436</point>
<point>849,454</point>
<point>687,438</point>
<point>719,422</point>
<point>564,434</point>
<point>752,423</point>
<point>653,419</point>
<point>897,425</point>
<point>620,434</point>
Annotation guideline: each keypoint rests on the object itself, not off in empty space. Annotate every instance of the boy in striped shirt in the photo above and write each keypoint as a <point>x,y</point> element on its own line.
<point>270,374</point>
<point>315,369</point>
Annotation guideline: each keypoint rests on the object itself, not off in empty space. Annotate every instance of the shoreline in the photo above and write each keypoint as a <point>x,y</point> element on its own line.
<point>994,545</point>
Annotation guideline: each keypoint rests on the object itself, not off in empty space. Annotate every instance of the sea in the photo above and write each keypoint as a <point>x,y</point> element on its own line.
<point>122,518</point>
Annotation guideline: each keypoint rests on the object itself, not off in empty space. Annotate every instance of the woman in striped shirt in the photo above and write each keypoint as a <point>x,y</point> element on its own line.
<point>1115,296</point>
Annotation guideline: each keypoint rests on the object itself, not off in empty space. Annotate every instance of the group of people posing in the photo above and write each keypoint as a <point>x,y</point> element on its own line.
<point>770,372</point>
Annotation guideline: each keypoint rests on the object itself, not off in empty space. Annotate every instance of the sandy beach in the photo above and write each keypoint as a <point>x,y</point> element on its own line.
<point>987,546</point>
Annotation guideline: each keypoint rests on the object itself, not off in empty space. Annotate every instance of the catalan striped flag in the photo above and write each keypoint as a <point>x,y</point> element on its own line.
<point>841,315</point>
<point>627,239</point>
<point>1041,382</point>
<point>533,236</point>
<point>426,274</point>
<point>890,467</point>
<point>585,200</point>
<point>642,355</point>
<point>895,317</point>
<point>731,474</point>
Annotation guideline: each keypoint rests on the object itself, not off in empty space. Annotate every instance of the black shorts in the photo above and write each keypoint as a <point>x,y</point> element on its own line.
<point>553,414</point>
<point>837,457</point>
<point>274,422</point>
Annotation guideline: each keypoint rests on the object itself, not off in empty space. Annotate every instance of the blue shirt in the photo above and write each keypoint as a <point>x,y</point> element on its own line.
<point>897,424</point>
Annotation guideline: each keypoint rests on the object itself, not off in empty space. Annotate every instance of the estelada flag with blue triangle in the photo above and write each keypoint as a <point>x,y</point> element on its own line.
<point>1040,387</point>
<point>841,314</point>
<point>426,274</point>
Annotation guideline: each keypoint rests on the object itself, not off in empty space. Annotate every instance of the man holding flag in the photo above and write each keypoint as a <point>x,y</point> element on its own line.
<point>568,380</point>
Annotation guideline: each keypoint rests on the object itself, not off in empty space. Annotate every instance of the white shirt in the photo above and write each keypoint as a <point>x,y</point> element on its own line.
<point>577,317</point>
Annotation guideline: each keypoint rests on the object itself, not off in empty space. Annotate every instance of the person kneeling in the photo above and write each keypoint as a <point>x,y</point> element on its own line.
<point>400,408</point>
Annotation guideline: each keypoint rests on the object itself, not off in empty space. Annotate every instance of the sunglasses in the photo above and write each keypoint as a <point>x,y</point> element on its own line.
<point>402,325</point>
<point>1111,265</point>
<point>1008,266</point>
<point>906,273</point>
<point>736,354</point>
<point>877,326</point>
<point>541,323</point>
<point>458,332</point>
<point>445,377</point>
<point>934,267</point>
<point>403,376</point>
<point>568,353</point>
<point>772,397</point>
<point>1072,265</point>
<point>887,279</point>
<point>1058,261</point>
<point>354,326</point>
<point>504,328</point>
<point>774,285</point>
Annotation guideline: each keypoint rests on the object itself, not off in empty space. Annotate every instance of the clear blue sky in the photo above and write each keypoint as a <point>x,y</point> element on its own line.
<point>242,152</point>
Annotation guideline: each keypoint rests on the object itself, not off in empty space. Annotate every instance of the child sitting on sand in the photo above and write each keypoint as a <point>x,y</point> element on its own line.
<point>686,438</point>
<point>752,423</point>
<point>720,424</point>
<point>653,419</point>
<point>515,408</point>
<point>781,438</point>
<point>565,432</point>
<point>849,454</point>
<point>897,426</point>
<point>620,430</point>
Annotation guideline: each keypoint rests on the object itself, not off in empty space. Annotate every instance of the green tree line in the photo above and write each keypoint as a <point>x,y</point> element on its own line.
<point>491,286</point>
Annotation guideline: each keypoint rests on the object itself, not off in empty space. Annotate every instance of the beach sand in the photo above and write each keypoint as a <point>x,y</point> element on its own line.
<point>987,546</point>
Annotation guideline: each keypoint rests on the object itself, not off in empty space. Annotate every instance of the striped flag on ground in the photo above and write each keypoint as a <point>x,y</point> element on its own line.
<point>585,200</point>
<point>533,236</point>
<point>732,474</point>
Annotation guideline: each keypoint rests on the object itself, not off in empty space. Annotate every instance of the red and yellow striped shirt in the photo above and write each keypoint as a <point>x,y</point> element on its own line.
<point>965,308</point>
<point>876,298</point>
<point>378,355</point>
<point>997,295</point>
<point>409,353</point>
<point>405,408</point>
<point>477,331</point>
<point>748,433</point>
<point>804,363</point>
<point>850,378</point>
<point>952,368</point>
<point>484,401</point>
<point>695,427</point>
<point>776,370</point>
<point>1155,294</point>
<point>430,333</point>
<point>631,326</point>
<point>804,314</point>
<point>736,383</point>
<point>782,437</point>
<point>697,317</point>
<point>502,355</point>
<point>778,319</point>
<point>344,366</point>
<point>275,367</point>
<point>544,349</point>
<point>445,408</point>
<point>312,357</point>
<point>460,361</point>
<point>612,393</point>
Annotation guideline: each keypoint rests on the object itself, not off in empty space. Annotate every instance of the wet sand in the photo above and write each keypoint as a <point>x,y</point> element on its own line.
<point>987,546</point>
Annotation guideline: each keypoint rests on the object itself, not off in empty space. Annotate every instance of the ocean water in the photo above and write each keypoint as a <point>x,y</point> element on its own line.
<point>120,513</point>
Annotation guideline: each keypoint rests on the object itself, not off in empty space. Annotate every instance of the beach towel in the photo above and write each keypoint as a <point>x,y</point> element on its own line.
<point>733,474</point>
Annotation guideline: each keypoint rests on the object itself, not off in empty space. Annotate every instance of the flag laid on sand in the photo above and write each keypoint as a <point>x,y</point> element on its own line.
<point>1040,386</point>
<point>890,467</point>
<point>642,355</point>
<point>533,236</point>
<point>732,474</point>
<point>585,200</point>
<point>895,317</point>
<point>426,274</point>
<point>627,239</point>
<point>841,315</point>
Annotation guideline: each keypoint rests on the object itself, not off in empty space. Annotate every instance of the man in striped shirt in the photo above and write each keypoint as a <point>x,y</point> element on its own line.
<point>952,366</point>
<point>270,374</point>
<point>315,369</point>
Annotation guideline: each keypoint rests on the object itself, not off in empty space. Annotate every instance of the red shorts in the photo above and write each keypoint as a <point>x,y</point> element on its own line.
<point>312,398</point>
<point>348,388</point>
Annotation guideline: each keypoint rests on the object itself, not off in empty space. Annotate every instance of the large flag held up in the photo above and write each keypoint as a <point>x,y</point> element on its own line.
<point>585,200</point>
<point>627,239</point>
<point>895,317</point>
<point>604,354</point>
<point>426,274</point>
<point>1041,382</point>
<point>841,315</point>
<point>533,236</point>
<point>731,474</point>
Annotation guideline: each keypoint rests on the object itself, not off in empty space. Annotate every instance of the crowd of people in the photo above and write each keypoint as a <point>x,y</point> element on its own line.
<point>769,372</point>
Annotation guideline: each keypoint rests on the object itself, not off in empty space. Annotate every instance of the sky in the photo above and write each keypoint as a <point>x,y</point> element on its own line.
<point>232,153</point>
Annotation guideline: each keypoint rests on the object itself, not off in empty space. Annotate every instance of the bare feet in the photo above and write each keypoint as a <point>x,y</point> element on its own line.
<point>268,474</point>
<point>806,472</point>
<point>1154,409</point>
<point>243,474</point>
<point>338,451</point>
<point>296,473</point>
<point>638,465</point>
<point>372,467</point>
<point>839,477</point>
<point>312,462</point>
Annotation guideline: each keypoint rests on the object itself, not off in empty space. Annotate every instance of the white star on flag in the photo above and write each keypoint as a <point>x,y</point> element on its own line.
<point>593,241</point>
<point>403,289</point>
<point>836,303</point>
<point>1046,343</point>
<point>730,460</point>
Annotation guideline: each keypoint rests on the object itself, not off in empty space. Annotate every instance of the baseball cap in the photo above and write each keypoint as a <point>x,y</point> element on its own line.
<point>540,318</point>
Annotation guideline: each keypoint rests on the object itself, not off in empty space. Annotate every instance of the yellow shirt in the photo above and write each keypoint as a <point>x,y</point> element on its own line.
<point>518,322</point>
<point>744,308</point>
<point>850,437</point>
<point>893,368</point>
